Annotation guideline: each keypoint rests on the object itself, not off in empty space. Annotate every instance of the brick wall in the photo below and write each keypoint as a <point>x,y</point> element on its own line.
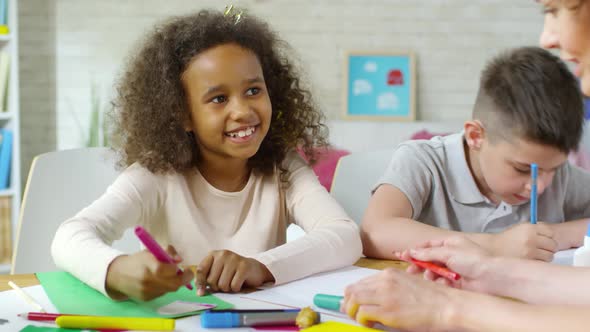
<point>38,86</point>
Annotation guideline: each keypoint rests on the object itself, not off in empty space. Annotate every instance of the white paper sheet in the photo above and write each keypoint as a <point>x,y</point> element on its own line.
<point>564,257</point>
<point>11,304</point>
<point>300,293</point>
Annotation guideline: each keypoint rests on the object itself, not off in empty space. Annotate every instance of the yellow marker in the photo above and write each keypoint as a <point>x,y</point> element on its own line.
<point>336,326</point>
<point>115,323</point>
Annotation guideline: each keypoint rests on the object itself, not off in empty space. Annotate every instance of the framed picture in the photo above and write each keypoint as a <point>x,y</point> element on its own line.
<point>380,86</point>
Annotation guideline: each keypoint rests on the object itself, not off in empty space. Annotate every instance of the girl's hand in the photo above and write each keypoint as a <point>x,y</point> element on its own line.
<point>396,299</point>
<point>141,276</point>
<point>458,254</point>
<point>226,271</point>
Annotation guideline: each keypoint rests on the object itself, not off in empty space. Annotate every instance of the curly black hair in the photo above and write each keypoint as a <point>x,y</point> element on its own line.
<point>151,106</point>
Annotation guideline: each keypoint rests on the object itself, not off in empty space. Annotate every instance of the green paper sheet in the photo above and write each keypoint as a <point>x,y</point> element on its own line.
<point>72,296</point>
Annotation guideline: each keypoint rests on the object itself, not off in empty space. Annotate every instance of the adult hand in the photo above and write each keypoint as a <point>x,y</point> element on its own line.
<point>458,254</point>
<point>396,299</point>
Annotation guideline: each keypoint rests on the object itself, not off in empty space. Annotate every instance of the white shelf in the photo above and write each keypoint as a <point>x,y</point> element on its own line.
<point>10,117</point>
<point>6,192</point>
<point>4,268</point>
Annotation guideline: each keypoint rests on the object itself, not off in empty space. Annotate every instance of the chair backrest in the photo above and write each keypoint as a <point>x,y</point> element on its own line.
<point>60,184</point>
<point>355,176</point>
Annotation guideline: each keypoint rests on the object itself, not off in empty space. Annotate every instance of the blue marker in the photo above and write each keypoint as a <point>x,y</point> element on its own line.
<point>534,173</point>
<point>239,318</point>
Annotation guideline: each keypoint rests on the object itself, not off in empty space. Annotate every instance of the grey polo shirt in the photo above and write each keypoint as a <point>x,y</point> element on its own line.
<point>436,179</point>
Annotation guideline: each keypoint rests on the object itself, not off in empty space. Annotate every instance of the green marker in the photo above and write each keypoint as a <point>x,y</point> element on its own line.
<point>325,301</point>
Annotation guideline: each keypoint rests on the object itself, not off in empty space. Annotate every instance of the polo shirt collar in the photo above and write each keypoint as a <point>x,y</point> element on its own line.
<point>461,183</point>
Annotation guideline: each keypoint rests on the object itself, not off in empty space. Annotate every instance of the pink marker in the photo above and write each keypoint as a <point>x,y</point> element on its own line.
<point>153,246</point>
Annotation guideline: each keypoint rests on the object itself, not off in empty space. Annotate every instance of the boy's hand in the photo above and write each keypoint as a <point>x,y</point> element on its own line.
<point>141,276</point>
<point>525,240</point>
<point>226,271</point>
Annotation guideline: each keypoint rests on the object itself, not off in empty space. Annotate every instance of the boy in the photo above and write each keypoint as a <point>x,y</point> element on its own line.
<point>528,110</point>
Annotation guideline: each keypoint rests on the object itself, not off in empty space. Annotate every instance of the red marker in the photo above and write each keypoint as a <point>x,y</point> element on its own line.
<point>47,317</point>
<point>440,270</point>
<point>40,316</point>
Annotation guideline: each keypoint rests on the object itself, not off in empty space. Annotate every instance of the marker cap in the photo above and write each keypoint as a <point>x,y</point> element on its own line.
<point>219,319</point>
<point>325,301</point>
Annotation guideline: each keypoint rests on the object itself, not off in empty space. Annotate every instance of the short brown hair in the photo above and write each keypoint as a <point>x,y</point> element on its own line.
<point>151,107</point>
<point>529,93</point>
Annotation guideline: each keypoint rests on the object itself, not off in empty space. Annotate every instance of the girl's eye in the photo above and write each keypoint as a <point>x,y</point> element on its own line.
<point>523,171</point>
<point>252,91</point>
<point>549,10</point>
<point>219,99</point>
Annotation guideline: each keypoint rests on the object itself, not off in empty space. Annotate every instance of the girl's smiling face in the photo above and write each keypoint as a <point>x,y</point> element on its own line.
<point>567,28</point>
<point>229,102</point>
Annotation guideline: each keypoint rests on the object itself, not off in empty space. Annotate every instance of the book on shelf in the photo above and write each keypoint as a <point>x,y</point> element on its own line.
<point>4,76</point>
<point>5,157</point>
<point>5,230</point>
<point>4,17</point>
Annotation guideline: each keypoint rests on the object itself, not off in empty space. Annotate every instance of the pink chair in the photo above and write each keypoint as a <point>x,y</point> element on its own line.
<point>325,166</point>
<point>425,134</point>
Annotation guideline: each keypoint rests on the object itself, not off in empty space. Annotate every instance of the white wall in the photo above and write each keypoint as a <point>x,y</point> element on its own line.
<point>357,136</point>
<point>67,44</point>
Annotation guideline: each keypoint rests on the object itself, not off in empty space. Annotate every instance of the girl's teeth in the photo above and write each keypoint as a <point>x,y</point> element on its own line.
<point>243,133</point>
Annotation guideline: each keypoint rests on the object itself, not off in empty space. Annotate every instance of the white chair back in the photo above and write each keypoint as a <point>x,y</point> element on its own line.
<point>355,176</point>
<point>60,184</point>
